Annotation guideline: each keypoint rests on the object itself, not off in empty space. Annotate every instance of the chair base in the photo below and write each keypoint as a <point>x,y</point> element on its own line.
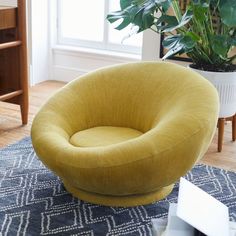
<point>119,201</point>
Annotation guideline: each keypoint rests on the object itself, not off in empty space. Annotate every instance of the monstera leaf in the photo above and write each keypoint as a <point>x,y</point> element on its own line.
<point>165,21</point>
<point>178,44</point>
<point>194,32</point>
<point>125,3</point>
<point>183,21</point>
<point>228,12</point>
<point>137,12</point>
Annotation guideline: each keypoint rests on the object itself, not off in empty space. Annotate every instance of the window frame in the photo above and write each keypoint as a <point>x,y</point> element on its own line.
<point>103,45</point>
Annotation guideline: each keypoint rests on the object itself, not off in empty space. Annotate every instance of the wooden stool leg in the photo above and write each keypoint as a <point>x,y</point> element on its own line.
<point>234,128</point>
<point>221,125</point>
<point>23,59</point>
<point>24,107</point>
<point>24,114</point>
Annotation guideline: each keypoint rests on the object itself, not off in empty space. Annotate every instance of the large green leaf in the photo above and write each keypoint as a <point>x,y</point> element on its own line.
<point>193,35</point>
<point>137,12</point>
<point>123,24</point>
<point>178,44</point>
<point>188,43</point>
<point>117,16</point>
<point>125,3</point>
<point>126,15</point>
<point>184,20</point>
<point>199,10</point>
<point>166,21</point>
<point>173,51</point>
<point>220,45</point>
<point>171,41</point>
<point>165,6</point>
<point>144,18</point>
<point>228,12</point>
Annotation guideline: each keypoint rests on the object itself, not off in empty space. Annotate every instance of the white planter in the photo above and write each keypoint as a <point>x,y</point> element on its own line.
<point>225,83</point>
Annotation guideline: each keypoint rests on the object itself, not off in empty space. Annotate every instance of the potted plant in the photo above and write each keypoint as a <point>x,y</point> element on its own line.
<point>205,31</point>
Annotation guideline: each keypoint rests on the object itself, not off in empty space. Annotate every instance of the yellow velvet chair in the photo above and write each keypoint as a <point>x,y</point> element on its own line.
<point>123,135</point>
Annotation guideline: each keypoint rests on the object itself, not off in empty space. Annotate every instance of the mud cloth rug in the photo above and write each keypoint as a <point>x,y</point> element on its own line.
<point>33,200</point>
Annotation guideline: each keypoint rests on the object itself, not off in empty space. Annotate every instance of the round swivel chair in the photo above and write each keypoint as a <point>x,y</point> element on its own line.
<point>123,135</point>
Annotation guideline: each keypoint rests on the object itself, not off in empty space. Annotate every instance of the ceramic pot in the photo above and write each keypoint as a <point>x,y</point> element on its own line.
<point>225,83</point>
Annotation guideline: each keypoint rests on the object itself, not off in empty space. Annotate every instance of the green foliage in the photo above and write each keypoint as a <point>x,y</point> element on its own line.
<point>228,12</point>
<point>192,32</point>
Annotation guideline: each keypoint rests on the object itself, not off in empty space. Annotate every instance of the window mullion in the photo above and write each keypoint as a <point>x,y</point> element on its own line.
<point>106,27</point>
<point>58,21</point>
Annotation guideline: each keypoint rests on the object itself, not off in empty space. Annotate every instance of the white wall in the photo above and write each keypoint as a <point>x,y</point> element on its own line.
<point>39,41</point>
<point>69,63</point>
<point>151,46</point>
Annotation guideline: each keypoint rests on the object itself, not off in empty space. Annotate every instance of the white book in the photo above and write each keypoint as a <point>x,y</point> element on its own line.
<point>196,209</point>
<point>201,210</point>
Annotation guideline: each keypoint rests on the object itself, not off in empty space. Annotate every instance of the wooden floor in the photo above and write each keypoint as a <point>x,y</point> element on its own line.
<point>11,129</point>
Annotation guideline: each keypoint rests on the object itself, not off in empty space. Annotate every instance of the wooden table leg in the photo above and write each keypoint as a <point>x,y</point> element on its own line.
<point>221,124</point>
<point>234,128</point>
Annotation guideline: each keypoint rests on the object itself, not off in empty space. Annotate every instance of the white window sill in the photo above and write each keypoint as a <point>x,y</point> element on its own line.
<point>90,52</point>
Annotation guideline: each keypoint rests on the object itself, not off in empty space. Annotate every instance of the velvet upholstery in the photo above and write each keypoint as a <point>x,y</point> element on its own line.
<point>165,115</point>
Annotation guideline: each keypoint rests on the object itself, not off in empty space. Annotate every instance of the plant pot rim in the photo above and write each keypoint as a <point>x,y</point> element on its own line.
<point>212,72</point>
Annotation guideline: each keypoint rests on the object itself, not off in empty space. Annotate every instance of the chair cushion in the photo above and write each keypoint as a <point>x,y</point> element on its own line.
<point>103,136</point>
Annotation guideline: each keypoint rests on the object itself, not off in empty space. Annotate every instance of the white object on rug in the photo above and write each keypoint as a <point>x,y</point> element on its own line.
<point>201,210</point>
<point>195,209</point>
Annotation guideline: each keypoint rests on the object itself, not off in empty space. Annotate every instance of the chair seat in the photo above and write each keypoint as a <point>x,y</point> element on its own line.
<point>103,136</point>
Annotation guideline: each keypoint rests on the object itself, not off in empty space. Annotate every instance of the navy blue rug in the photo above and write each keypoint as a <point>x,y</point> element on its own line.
<point>33,200</point>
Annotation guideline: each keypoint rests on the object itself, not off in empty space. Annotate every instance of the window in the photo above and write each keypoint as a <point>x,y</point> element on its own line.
<point>83,23</point>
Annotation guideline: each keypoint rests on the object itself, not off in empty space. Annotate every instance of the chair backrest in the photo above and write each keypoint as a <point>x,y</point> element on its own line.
<point>135,95</point>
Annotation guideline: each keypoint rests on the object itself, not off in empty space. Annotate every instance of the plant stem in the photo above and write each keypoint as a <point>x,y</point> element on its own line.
<point>176,9</point>
<point>209,13</point>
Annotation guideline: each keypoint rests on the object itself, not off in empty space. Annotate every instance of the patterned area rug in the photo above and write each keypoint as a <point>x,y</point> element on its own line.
<point>33,200</point>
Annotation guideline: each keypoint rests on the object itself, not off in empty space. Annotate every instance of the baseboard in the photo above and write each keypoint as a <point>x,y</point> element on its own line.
<point>66,74</point>
<point>69,63</point>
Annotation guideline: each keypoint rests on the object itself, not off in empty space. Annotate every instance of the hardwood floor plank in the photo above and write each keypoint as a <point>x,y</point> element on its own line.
<point>11,129</point>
